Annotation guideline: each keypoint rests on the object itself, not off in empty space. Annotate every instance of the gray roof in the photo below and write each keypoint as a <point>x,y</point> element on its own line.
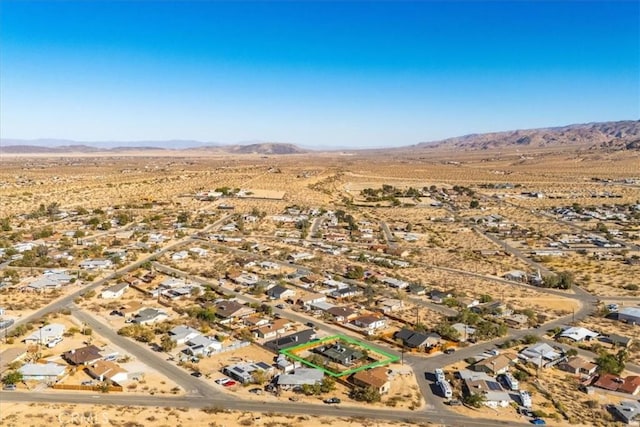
<point>42,370</point>
<point>301,376</point>
<point>628,411</point>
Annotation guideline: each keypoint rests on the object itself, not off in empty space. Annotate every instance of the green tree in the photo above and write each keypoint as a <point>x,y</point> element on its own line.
<point>474,204</point>
<point>609,363</point>
<point>365,394</point>
<point>475,400</point>
<point>167,344</point>
<point>12,377</point>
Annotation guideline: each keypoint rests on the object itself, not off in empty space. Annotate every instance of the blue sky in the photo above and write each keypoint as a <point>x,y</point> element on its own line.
<point>319,74</point>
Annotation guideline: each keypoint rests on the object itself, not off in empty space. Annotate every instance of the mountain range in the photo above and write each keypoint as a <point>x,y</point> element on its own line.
<point>615,135</point>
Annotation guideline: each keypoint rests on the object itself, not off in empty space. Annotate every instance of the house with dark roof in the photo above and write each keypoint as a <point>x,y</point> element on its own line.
<point>340,353</point>
<point>280,292</point>
<point>291,340</point>
<point>83,356</point>
<point>414,339</point>
<point>229,310</point>
<point>627,412</point>
<point>342,313</point>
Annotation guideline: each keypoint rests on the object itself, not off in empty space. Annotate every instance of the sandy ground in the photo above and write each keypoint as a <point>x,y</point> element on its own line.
<point>20,414</point>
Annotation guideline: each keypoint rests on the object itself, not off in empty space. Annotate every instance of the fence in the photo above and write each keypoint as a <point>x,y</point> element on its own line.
<point>86,387</point>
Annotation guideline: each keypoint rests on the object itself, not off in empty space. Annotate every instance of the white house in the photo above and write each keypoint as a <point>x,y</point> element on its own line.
<point>202,346</point>
<point>578,333</point>
<point>181,334</point>
<point>115,291</point>
<point>42,372</point>
<point>199,251</point>
<point>180,255</point>
<point>370,322</point>
<point>96,264</point>
<point>46,334</point>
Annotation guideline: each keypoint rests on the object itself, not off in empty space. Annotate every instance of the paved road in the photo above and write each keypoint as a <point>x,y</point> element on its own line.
<point>513,251</point>
<point>388,235</point>
<point>235,404</point>
<point>144,354</point>
<point>67,300</point>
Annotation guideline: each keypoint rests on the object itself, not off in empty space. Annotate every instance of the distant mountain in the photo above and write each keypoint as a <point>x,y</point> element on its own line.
<point>60,146</point>
<point>265,148</point>
<point>606,135</point>
<point>175,144</point>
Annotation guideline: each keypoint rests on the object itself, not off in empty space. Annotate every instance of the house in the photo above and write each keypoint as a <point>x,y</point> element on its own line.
<point>46,334</point>
<point>619,340</point>
<point>481,383</point>
<point>630,385</point>
<point>464,331</point>
<point>495,399</point>
<point>627,411</point>
<point>438,297</point>
<point>291,340</point>
<point>370,322</point>
<point>375,378</point>
<point>417,289</point>
<point>578,366</point>
<point>243,372</point>
<point>496,365</point>
<point>96,264</point>
<point>115,291</point>
<point>300,377</point>
<point>272,330</point>
<point>149,316</point>
<point>104,370</point>
<point>49,372</point>
<point>229,309</point>
<point>300,256</point>
<point>199,251</point>
<point>83,356</point>
<point>413,339</point>
<point>255,321</point>
<point>395,283</point>
<point>517,321</point>
<point>178,256</point>
<point>268,265</point>
<point>50,279</point>
<point>10,356</point>
<point>608,382</point>
<point>202,346</point>
<point>280,292</point>
<point>542,355</point>
<point>342,314</point>
<point>389,305</point>
<point>181,334</point>
<point>630,315</point>
<point>578,333</point>
<point>348,292</point>
<point>311,299</point>
<point>340,353</point>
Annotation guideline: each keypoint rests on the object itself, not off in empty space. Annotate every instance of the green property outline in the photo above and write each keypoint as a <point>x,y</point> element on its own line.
<point>289,352</point>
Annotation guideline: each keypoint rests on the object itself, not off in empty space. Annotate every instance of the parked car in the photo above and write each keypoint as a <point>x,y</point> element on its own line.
<point>332,400</point>
<point>9,387</point>
<point>454,402</point>
<point>538,421</point>
<point>196,374</point>
<point>280,306</point>
<point>256,390</point>
<point>294,398</point>
<point>450,350</point>
<point>87,382</point>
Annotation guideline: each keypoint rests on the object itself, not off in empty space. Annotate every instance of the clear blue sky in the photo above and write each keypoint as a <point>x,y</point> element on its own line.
<point>325,74</point>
